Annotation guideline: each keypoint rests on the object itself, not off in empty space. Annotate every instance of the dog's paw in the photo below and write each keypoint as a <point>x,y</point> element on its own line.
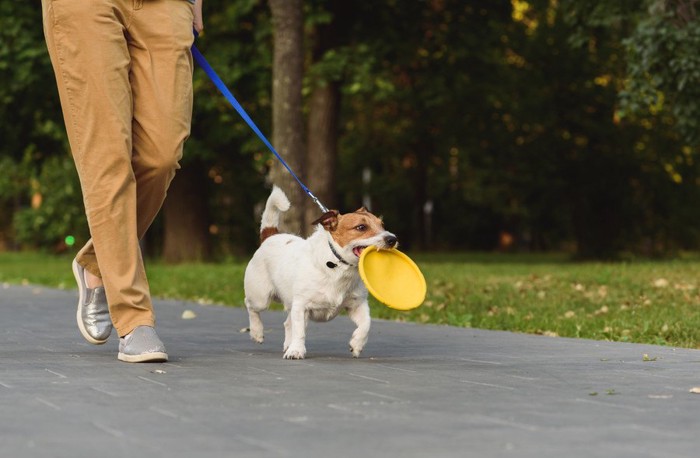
<point>295,352</point>
<point>357,344</point>
<point>257,337</point>
<point>259,340</point>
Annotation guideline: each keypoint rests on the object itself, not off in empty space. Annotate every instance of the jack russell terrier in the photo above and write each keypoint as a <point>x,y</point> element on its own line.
<point>314,278</point>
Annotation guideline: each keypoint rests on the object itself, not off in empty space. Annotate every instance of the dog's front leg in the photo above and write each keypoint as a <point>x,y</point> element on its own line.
<point>297,325</point>
<point>287,332</point>
<point>360,316</point>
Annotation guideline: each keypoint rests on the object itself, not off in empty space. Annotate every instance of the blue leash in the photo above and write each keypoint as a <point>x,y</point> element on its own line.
<point>199,58</point>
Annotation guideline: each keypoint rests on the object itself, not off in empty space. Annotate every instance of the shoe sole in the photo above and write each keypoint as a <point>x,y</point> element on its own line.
<point>81,301</point>
<point>155,357</point>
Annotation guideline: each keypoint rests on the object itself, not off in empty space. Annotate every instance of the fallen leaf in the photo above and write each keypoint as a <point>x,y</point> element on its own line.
<point>188,315</point>
<point>661,283</point>
<point>646,357</point>
<point>684,286</point>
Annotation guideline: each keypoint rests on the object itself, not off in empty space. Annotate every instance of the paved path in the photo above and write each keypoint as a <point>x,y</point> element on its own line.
<point>417,391</point>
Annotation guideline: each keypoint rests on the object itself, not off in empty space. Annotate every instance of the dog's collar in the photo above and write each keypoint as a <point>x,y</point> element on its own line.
<point>332,265</point>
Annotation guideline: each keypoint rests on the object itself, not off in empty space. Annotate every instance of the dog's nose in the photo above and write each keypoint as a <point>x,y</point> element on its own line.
<point>391,240</point>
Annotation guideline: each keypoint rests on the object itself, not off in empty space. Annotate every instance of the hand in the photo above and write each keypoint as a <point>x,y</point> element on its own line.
<point>198,22</point>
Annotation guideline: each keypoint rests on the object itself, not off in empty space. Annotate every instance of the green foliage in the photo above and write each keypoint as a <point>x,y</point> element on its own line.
<point>662,67</point>
<point>31,126</point>
<point>664,71</point>
<point>13,179</point>
<point>29,104</point>
<point>564,125</point>
<point>420,122</point>
<point>56,211</point>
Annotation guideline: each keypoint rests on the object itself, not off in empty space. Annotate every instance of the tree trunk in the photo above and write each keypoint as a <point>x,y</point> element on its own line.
<point>185,217</point>
<point>324,114</point>
<point>323,141</point>
<point>287,117</point>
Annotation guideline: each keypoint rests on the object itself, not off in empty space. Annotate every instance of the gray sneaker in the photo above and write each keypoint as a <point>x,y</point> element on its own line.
<point>93,311</point>
<point>142,345</point>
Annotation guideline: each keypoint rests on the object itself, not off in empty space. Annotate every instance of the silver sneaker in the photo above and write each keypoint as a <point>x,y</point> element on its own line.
<point>93,311</point>
<point>142,345</point>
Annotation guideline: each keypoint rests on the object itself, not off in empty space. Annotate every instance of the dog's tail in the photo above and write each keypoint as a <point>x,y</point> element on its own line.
<point>277,204</point>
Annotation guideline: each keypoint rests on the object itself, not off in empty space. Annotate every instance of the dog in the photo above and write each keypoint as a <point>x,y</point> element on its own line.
<point>314,278</point>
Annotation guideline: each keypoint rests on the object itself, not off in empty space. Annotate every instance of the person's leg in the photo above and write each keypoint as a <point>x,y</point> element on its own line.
<point>160,37</point>
<point>91,60</point>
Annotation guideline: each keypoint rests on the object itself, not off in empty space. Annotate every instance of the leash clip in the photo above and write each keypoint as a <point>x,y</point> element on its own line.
<point>317,202</point>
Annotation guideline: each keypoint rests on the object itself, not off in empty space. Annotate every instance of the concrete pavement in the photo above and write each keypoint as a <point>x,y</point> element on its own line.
<point>417,391</point>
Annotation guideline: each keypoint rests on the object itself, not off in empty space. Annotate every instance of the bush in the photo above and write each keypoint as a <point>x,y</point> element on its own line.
<point>13,182</point>
<point>56,211</point>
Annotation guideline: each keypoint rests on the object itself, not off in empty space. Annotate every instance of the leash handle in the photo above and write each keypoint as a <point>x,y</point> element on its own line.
<point>199,58</point>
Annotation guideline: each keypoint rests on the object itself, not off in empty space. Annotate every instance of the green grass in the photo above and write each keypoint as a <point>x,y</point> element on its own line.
<point>644,301</point>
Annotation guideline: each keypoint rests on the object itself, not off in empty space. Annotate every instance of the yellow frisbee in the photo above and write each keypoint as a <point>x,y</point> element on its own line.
<point>392,278</point>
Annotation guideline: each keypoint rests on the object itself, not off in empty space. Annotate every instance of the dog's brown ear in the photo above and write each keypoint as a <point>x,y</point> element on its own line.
<point>328,220</point>
<point>362,209</point>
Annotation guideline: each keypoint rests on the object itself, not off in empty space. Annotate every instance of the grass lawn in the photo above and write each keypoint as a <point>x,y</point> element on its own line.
<point>646,301</point>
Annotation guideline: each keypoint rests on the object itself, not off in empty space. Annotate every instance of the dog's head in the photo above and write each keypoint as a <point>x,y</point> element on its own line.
<point>355,231</point>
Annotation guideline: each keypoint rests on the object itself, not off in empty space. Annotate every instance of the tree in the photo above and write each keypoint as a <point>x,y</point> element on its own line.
<point>287,117</point>
<point>224,163</point>
<point>324,114</point>
<point>660,38</point>
<point>656,85</point>
<point>186,216</point>
<point>414,107</point>
<point>664,65</point>
<point>561,124</point>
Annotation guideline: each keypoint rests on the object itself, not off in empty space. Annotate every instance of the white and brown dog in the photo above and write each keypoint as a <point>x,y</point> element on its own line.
<point>314,278</point>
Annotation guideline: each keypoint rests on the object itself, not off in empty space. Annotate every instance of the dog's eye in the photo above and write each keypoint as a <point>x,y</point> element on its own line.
<point>361,228</point>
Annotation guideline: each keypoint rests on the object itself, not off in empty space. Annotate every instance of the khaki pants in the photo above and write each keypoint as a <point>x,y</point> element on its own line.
<point>124,75</point>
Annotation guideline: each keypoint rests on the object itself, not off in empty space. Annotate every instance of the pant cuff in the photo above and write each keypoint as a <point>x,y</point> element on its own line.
<point>126,328</point>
